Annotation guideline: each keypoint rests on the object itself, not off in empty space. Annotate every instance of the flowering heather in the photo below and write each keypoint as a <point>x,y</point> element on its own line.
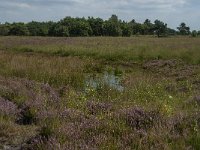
<point>90,123</point>
<point>138,118</point>
<point>80,121</point>
<point>51,94</point>
<point>35,100</point>
<point>193,102</point>
<point>42,143</point>
<point>197,99</point>
<point>96,107</point>
<point>8,108</point>
<point>79,134</point>
<point>52,144</point>
<point>71,114</point>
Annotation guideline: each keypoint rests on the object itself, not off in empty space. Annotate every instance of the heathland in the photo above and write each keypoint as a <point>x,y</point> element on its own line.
<point>99,93</point>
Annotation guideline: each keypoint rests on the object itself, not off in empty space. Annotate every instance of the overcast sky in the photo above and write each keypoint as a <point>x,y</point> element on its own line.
<point>170,11</point>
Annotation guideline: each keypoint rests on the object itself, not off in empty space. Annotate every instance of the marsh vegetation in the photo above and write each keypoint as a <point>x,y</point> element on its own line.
<point>99,93</point>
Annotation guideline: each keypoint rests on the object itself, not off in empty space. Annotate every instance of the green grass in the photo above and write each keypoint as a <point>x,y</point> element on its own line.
<point>108,48</point>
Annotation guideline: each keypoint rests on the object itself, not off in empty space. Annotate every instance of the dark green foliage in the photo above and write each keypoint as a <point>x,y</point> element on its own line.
<point>74,27</point>
<point>183,29</point>
<point>160,28</point>
<point>18,29</point>
<point>194,33</point>
<point>77,26</point>
<point>171,31</point>
<point>198,33</point>
<point>59,30</point>
<point>97,26</point>
<point>147,27</point>
<point>136,28</point>
<point>4,29</point>
<point>195,141</point>
<point>126,29</point>
<point>46,131</point>
<point>39,28</point>
<point>28,116</point>
<point>112,27</point>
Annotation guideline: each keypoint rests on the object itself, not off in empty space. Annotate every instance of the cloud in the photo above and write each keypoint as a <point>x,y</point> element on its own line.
<point>14,5</point>
<point>170,11</point>
<point>140,4</point>
<point>158,4</point>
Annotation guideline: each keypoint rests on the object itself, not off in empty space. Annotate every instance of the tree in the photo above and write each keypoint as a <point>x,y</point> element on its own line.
<point>59,30</point>
<point>194,33</point>
<point>77,26</point>
<point>183,29</point>
<point>160,28</point>
<point>18,29</point>
<point>198,33</point>
<point>91,26</point>
<point>112,26</point>
<point>171,31</point>
<point>126,29</point>
<point>39,28</point>
<point>147,27</point>
<point>96,26</point>
<point>4,29</point>
<point>136,28</point>
<point>33,28</point>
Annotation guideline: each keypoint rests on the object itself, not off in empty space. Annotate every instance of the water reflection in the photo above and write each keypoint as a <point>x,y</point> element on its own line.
<point>109,79</point>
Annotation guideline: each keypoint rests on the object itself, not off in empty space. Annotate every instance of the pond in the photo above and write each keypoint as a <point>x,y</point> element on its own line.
<point>106,78</point>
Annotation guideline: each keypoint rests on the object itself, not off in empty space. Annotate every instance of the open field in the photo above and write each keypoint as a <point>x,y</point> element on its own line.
<point>107,48</point>
<point>99,93</point>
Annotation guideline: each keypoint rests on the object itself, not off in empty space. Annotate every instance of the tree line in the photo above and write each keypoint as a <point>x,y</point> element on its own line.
<point>72,27</point>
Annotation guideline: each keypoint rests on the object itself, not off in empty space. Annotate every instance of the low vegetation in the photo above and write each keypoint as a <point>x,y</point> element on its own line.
<point>99,93</point>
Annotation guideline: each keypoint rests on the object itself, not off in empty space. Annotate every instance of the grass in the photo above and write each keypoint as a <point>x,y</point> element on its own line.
<point>43,90</point>
<point>111,49</point>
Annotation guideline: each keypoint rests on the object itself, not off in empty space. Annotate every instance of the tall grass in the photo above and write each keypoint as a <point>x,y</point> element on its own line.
<point>113,49</point>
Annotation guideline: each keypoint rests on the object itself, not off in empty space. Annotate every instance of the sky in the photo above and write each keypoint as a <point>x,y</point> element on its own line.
<point>173,12</point>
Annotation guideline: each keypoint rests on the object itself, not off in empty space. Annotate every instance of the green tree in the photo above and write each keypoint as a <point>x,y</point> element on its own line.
<point>136,28</point>
<point>112,26</point>
<point>183,29</point>
<point>96,25</point>
<point>160,28</point>
<point>126,29</point>
<point>69,26</point>
<point>4,29</point>
<point>171,31</point>
<point>39,28</point>
<point>59,30</point>
<point>18,29</point>
<point>198,33</point>
<point>77,26</point>
<point>194,33</point>
<point>34,28</point>
<point>147,27</point>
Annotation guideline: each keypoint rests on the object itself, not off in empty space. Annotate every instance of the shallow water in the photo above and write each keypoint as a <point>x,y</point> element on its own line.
<point>109,79</point>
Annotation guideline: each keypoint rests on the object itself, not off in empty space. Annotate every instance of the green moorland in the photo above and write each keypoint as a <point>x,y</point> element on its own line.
<point>99,93</point>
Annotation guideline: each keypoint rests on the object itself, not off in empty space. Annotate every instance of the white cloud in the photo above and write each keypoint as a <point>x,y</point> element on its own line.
<point>10,5</point>
<point>22,5</point>
<point>170,11</point>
